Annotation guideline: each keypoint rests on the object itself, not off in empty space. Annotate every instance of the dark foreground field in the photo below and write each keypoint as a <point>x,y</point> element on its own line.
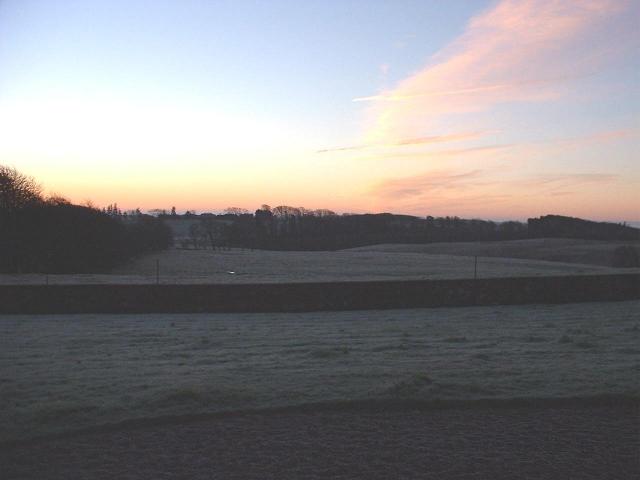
<point>597,441</point>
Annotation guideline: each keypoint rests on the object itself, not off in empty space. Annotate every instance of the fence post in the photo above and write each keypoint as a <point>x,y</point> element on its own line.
<point>475,267</point>
<point>157,271</point>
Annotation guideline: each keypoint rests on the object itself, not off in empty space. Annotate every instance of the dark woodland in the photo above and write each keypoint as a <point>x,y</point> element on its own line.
<point>51,235</point>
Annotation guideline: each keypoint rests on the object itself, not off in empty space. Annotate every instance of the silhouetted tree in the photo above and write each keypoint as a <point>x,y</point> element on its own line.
<point>54,235</point>
<point>236,211</point>
<point>17,190</point>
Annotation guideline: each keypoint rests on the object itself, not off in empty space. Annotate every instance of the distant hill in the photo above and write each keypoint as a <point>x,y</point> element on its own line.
<point>569,227</point>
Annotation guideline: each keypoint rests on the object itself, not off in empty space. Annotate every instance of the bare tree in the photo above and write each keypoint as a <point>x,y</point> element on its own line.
<point>214,231</point>
<point>235,211</point>
<point>17,190</point>
<point>285,211</point>
<point>89,204</point>
<point>157,212</point>
<point>323,212</point>
<point>57,199</point>
<point>198,236</point>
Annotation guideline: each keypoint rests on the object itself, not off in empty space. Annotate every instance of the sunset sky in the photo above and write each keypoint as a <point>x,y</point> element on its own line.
<point>492,109</point>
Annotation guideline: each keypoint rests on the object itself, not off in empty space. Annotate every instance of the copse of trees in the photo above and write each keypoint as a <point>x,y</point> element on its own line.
<point>39,234</point>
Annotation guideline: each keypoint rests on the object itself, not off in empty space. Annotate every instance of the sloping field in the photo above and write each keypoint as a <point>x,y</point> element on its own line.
<point>567,250</point>
<point>273,266</point>
<point>383,262</point>
<point>532,257</point>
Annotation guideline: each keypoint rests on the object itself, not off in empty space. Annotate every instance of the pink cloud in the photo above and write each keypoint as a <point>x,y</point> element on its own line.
<point>453,137</point>
<point>604,136</point>
<point>583,142</point>
<point>457,184</point>
<point>479,191</point>
<point>426,183</point>
<point>470,152</point>
<point>519,50</point>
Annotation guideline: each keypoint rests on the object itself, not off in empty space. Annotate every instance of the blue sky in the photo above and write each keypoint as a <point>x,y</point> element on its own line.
<point>521,108</point>
<point>307,59</point>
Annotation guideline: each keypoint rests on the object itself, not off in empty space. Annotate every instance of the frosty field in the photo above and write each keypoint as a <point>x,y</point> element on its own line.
<point>378,262</point>
<point>567,250</point>
<point>262,266</point>
<point>68,372</point>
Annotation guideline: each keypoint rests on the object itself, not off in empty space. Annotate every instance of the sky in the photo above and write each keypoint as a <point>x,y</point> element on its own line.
<point>503,109</point>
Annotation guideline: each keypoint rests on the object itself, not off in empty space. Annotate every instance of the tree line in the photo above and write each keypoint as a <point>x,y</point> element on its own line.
<point>296,228</point>
<point>52,235</point>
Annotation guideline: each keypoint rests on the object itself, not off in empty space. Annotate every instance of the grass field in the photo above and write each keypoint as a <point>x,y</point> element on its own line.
<point>567,250</point>
<point>61,373</point>
<point>537,257</point>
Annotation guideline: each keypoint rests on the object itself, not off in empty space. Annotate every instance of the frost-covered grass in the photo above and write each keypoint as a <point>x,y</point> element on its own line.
<point>269,266</point>
<point>379,262</point>
<point>64,372</point>
<point>568,250</point>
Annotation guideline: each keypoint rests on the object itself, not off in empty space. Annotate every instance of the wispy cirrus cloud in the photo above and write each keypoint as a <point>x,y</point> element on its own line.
<point>519,50</point>
<point>480,192</point>
<point>482,183</point>
<point>538,73</point>
<point>551,183</point>
<point>597,137</point>
<point>521,149</point>
<point>426,140</point>
<point>429,182</point>
<point>444,153</point>
<point>394,97</point>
